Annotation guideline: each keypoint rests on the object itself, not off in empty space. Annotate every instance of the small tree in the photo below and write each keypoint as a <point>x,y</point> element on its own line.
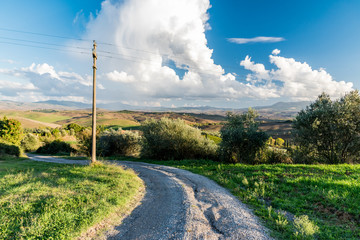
<point>241,138</point>
<point>10,130</point>
<point>328,131</point>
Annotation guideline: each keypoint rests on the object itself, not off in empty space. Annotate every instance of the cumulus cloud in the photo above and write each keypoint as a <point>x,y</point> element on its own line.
<point>256,40</point>
<point>160,52</point>
<point>295,80</point>
<point>43,82</point>
<point>152,34</point>
<point>275,52</point>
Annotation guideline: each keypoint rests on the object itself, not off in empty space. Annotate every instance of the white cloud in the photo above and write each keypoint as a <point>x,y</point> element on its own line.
<point>296,80</point>
<point>42,81</point>
<point>120,77</point>
<point>256,40</point>
<point>152,35</point>
<point>162,32</point>
<point>275,52</point>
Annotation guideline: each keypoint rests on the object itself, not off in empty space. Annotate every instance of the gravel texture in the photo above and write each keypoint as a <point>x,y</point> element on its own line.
<point>181,205</point>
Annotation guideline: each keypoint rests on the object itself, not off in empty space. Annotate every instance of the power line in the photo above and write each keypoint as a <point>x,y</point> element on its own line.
<point>56,49</point>
<point>45,43</point>
<point>43,34</point>
<point>124,57</point>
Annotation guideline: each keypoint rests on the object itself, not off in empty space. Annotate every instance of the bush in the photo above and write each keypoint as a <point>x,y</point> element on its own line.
<point>173,139</point>
<point>76,127</point>
<point>279,142</point>
<point>85,139</point>
<point>56,133</point>
<point>7,148</point>
<point>241,139</point>
<point>119,143</point>
<point>274,156</point>
<point>10,130</point>
<point>30,142</point>
<point>56,147</point>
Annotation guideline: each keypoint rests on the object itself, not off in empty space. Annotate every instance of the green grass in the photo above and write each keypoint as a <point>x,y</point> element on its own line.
<point>52,201</point>
<point>328,194</point>
<point>45,117</point>
<point>37,116</point>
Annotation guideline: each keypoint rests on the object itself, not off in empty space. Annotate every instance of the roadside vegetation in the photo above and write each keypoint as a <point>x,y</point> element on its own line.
<point>303,187</point>
<point>54,201</point>
<point>295,201</point>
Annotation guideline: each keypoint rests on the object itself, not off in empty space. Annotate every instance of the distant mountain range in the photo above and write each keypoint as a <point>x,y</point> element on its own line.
<point>280,110</point>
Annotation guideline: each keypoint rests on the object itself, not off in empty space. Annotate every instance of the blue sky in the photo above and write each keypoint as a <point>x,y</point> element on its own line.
<point>319,52</point>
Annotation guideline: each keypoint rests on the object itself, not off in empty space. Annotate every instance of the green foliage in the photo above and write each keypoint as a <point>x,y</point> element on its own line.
<point>274,156</point>
<point>56,133</point>
<point>56,201</point>
<point>281,221</point>
<point>56,147</point>
<point>215,139</point>
<point>10,130</point>
<point>85,139</point>
<point>30,142</point>
<point>329,131</point>
<point>305,228</point>
<point>119,143</point>
<point>279,142</point>
<point>173,139</point>
<point>76,127</point>
<point>7,148</point>
<point>241,138</point>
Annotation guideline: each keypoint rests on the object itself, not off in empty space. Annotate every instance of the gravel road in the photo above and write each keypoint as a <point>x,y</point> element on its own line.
<point>182,205</point>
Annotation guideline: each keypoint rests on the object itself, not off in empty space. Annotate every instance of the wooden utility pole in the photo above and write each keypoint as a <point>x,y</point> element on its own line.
<point>93,149</point>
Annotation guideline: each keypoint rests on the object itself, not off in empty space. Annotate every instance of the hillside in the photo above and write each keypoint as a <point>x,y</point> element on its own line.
<point>280,110</point>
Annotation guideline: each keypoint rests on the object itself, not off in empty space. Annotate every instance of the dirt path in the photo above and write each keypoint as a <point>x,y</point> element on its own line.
<point>182,205</point>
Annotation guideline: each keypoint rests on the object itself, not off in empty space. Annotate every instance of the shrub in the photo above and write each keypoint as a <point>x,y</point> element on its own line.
<point>30,142</point>
<point>274,156</point>
<point>63,132</point>
<point>119,143</point>
<point>56,133</point>
<point>10,130</point>
<point>279,142</point>
<point>174,139</point>
<point>85,140</point>
<point>76,127</point>
<point>56,147</point>
<point>241,139</point>
<point>7,148</point>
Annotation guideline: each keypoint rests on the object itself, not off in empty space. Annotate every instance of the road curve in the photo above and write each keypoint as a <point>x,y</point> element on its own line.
<point>181,205</point>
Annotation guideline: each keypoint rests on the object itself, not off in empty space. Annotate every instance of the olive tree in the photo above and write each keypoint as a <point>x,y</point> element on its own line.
<point>241,138</point>
<point>328,130</point>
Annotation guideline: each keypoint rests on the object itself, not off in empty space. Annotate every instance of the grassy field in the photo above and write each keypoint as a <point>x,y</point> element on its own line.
<point>37,116</point>
<point>279,194</point>
<point>52,201</point>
